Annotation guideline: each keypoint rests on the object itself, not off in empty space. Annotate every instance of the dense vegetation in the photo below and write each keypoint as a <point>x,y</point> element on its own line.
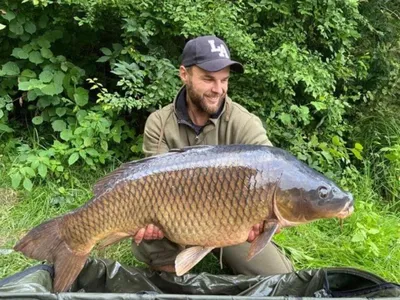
<point>79,77</point>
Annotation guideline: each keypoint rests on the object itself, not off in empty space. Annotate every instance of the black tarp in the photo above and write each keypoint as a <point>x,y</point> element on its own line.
<point>106,279</point>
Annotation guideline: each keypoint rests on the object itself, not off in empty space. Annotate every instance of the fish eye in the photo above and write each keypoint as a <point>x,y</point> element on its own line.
<point>323,192</point>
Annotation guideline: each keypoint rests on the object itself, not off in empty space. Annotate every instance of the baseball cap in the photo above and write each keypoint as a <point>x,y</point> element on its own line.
<point>209,53</point>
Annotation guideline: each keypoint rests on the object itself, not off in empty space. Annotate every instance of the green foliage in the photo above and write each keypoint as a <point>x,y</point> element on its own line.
<point>86,94</point>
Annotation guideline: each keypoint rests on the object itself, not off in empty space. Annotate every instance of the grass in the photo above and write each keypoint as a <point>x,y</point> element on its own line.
<point>368,240</point>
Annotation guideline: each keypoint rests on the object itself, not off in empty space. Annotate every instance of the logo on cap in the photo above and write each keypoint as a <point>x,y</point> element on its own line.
<point>221,49</point>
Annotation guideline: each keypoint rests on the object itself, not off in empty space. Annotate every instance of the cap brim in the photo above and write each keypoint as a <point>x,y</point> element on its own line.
<point>219,64</point>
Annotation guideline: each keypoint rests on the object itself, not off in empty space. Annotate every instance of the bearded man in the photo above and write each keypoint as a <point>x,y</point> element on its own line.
<point>203,114</point>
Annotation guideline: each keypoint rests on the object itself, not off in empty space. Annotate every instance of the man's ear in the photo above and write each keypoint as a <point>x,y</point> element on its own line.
<point>183,74</point>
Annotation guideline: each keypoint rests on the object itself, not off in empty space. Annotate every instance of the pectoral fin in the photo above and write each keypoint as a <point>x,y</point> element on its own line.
<point>189,257</point>
<point>262,240</point>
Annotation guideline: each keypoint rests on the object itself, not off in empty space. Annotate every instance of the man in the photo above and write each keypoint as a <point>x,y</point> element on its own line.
<point>203,114</point>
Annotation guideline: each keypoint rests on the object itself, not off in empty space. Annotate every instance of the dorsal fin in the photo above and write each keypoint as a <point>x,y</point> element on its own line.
<point>187,148</point>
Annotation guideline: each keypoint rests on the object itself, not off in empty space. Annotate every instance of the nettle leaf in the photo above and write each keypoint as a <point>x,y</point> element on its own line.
<point>103,59</point>
<point>73,158</point>
<point>37,120</point>
<point>106,51</point>
<point>42,170</point>
<point>81,96</point>
<point>15,180</point>
<point>35,57</point>
<point>52,89</point>
<point>20,53</point>
<point>59,125</point>
<point>27,184</point>
<point>10,69</point>
<point>30,27</point>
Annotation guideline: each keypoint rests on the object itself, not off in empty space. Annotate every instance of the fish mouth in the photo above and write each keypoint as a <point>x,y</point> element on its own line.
<point>346,211</point>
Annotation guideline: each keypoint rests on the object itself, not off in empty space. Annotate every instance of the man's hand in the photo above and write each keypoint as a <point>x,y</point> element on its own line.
<point>256,230</point>
<point>150,232</point>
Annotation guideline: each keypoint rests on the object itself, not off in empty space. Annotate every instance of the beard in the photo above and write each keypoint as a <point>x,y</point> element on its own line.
<point>200,102</point>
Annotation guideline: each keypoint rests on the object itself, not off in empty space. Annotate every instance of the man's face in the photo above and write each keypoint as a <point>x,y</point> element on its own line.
<point>206,90</point>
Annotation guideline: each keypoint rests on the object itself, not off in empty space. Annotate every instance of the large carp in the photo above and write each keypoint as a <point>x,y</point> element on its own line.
<point>204,197</point>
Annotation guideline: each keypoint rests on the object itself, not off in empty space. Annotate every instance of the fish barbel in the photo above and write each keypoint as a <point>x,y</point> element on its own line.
<point>203,197</point>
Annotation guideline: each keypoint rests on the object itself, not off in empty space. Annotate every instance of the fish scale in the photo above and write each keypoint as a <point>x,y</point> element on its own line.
<point>205,197</point>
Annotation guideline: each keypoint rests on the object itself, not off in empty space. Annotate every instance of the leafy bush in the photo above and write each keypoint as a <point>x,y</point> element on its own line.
<point>84,75</point>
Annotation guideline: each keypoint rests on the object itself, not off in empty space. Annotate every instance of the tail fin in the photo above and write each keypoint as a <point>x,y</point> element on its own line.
<point>45,242</point>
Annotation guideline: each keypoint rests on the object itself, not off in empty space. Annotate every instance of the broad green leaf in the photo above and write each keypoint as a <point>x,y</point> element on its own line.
<point>87,141</point>
<point>35,57</point>
<point>5,128</point>
<point>106,51</point>
<point>44,43</point>
<point>9,15</point>
<point>2,26</point>
<point>46,76</point>
<point>103,59</point>
<point>52,89</point>
<point>10,69</point>
<point>59,77</point>
<point>59,125</point>
<point>81,96</point>
<point>20,53</point>
<point>66,134</point>
<point>336,141</point>
<point>42,170</point>
<point>60,111</point>
<point>30,27</point>
<point>46,53</point>
<point>104,145</point>
<point>29,171</point>
<point>44,102</point>
<point>92,152</point>
<point>27,184</point>
<point>357,154</point>
<point>43,20</point>
<point>16,27</point>
<point>319,105</point>
<point>358,146</point>
<point>73,158</point>
<point>30,85</point>
<point>15,180</point>
<point>285,118</point>
<point>37,120</point>
<point>32,95</point>
<point>1,114</point>
<point>358,237</point>
<point>28,73</point>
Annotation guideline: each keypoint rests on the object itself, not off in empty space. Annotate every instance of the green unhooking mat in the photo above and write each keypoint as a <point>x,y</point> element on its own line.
<point>106,279</point>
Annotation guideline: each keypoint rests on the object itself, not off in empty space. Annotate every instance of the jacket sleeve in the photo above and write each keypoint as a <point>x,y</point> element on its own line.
<point>153,142</point>
<point>254,133</point>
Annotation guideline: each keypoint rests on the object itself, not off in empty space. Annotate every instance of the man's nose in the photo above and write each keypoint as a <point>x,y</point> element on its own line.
<point>217,87</point>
